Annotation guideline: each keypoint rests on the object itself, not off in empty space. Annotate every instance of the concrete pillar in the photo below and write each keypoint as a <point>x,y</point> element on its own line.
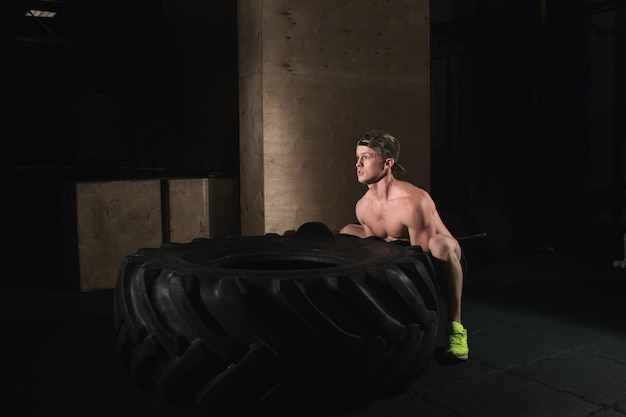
<point>313,77</point>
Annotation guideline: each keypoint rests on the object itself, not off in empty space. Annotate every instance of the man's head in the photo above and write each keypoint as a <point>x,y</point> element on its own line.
<point>386,145</point>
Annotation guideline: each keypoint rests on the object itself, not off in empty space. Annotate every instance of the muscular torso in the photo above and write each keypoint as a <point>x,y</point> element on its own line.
<point>406,213</point>
<point>383,220</point>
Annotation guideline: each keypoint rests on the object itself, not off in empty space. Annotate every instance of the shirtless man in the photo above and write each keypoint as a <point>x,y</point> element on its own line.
<point>392,209</point>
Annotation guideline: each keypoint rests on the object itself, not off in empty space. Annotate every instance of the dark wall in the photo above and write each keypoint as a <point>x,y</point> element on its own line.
<point>171,66</point>
<point>527,119</point>
<point>201,85</point>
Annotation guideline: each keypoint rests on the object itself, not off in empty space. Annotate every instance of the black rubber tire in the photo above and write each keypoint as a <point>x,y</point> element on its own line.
<point>314,229</point>
<point>272,324</point>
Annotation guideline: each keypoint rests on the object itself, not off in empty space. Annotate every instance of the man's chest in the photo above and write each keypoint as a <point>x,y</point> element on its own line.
<point>385,223</point>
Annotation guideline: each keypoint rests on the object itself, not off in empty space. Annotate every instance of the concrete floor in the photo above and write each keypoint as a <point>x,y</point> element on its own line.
<point>547,334</point>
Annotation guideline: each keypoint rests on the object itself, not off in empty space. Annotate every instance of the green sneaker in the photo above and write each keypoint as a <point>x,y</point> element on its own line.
<point>457,342</point>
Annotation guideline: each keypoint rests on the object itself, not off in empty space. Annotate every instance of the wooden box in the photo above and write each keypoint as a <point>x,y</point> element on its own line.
<point>112,219</point>
<point>106,221</point>
<point>202,207</point>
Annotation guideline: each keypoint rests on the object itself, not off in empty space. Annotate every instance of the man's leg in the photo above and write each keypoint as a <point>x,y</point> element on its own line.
<point>447,254</point>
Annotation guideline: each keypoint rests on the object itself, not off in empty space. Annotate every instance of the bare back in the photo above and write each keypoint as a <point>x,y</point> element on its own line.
<point>406,212</point>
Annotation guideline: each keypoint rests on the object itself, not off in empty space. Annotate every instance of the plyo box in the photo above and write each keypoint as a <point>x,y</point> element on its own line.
<point>202,207</point>
<point>108,220</point>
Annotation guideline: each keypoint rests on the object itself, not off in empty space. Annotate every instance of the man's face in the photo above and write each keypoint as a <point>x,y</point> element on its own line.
<point>369,165</point>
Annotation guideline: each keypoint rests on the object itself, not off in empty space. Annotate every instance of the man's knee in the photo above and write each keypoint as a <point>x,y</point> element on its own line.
<point>444,248</point>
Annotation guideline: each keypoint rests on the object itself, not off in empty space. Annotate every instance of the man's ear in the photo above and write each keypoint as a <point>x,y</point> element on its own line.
<point>389,162</point>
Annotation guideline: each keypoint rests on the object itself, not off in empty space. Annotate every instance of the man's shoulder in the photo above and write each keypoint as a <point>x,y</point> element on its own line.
<point>409,185</point>
<point>362,201</point>
<point>409,190</point>
<point>413,200</point>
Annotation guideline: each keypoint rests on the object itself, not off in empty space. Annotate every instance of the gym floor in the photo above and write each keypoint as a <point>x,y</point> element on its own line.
<point>547,334</point>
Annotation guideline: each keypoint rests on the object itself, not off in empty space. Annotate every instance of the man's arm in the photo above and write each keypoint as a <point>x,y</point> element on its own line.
<point>353,229</point>
<point>357,229</point>
<point>418,220</point>
<point>361,230</point>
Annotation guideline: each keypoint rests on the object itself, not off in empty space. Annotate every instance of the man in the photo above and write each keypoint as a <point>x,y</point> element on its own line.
<point>392,209</point>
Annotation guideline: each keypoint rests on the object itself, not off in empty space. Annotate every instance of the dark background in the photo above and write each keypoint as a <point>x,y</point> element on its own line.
<point>527,115</point>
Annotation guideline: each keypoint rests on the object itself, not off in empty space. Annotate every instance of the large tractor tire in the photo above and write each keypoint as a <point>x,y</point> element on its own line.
<point>273,324</point>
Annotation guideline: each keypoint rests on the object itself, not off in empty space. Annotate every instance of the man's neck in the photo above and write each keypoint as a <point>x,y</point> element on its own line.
<point>380,190</point>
